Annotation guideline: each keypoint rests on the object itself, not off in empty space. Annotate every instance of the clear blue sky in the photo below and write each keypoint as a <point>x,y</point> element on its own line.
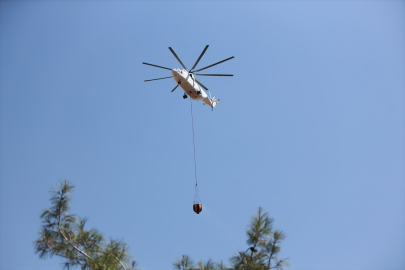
<point>311,127</point>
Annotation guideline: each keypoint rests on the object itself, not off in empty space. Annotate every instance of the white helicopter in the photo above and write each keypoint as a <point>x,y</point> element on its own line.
<point>188,82</point>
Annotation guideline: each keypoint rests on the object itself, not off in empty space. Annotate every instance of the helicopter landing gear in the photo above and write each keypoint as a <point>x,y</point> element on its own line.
<point>198,92</point>
<point>179,82</point>
<point>184,96</point>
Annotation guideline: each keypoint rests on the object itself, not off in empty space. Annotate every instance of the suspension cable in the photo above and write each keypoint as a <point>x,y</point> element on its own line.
<point>192,126</point>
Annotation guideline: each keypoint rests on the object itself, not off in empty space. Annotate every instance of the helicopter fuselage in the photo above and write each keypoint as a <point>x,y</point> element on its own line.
<point>187,82</point>
<point>189,85</point>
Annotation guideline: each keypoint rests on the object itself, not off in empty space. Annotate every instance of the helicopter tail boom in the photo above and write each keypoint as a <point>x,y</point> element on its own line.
<point>211,102</point>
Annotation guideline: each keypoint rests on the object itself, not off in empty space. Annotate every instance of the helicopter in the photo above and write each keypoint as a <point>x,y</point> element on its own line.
<point>187,81</point>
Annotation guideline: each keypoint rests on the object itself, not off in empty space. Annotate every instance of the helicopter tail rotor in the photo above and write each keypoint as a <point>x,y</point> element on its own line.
<point>214,102</point>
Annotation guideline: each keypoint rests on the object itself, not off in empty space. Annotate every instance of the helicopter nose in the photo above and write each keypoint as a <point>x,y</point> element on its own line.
<point>174,72</point>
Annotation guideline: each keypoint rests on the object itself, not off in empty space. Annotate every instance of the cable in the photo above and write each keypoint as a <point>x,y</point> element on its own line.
<point>192,126</point>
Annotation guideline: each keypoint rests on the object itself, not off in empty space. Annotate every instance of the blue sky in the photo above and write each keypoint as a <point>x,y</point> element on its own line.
<point>311,127</point>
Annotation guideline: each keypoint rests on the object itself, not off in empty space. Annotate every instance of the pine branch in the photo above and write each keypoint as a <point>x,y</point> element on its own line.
<point>54,252</point>
<point>67,240</point>
<point>64,235</point>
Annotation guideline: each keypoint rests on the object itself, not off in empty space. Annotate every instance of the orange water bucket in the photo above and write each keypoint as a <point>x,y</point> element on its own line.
<point>197,208</point>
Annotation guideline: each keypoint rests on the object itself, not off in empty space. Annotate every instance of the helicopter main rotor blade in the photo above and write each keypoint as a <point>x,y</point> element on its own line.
<point>215,64</point>
<point>175,88</point>
<point>178,59</point>
<point>198,60</point>
<point>158,79</point>
<point>199,74</point>
<point>201,84</point>
<point>156,66</point>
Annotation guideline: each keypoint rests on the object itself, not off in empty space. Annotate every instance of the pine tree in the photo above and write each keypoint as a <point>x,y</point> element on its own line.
<point>184,263</point>
<point>264,245</point>
<point>262,253</point>
<point>208,265</point>
<point>272,248</point>
<point>64,235</point>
